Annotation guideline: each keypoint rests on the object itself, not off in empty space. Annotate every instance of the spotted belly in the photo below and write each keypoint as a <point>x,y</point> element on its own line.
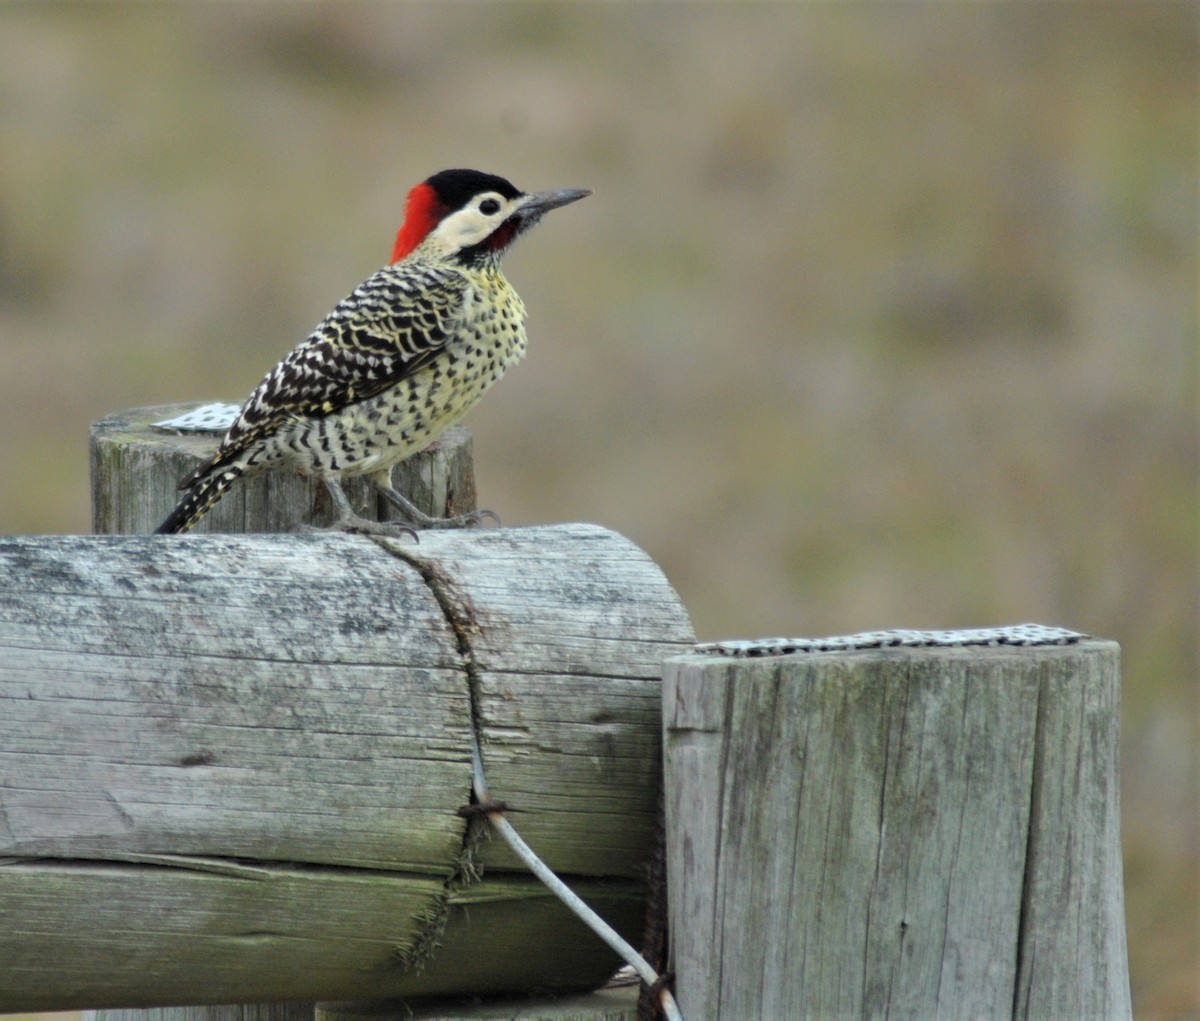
<point>381,431</point>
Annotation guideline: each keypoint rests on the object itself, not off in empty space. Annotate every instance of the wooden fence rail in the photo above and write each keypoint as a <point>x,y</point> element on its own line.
<point>232,764</point>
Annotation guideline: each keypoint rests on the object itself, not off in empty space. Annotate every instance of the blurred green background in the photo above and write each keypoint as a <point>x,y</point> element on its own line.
<point>880,315</point>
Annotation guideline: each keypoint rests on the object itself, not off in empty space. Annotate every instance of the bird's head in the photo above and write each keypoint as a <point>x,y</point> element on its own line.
<point>472,216</point>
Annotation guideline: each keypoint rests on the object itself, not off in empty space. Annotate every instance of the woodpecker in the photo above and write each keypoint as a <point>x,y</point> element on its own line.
<point>405,355</point>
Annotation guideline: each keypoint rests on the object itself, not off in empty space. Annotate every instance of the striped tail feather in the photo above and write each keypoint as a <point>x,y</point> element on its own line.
<point>199,500</point>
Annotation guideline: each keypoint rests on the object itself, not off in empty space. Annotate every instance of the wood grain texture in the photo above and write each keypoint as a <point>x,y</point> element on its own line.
<point>228,1012</point>
<point>216,696</point>
<point>615,1004</point>
<point>136,470</point>
<point>131,935</point>
<point>917,833</point>
<point>230,765</point>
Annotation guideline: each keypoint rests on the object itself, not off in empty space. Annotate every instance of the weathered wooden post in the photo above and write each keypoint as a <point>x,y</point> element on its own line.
<point>898,824</point>
<point>137,466</point>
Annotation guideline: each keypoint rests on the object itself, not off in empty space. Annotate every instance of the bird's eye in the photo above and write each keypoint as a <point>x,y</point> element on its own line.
<point>489,206</point>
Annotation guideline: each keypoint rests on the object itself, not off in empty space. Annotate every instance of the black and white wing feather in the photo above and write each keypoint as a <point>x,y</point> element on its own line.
<point>394,323</point>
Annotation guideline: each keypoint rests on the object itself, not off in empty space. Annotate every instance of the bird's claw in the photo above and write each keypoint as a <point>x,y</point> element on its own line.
<point>468,520</point>
<point>362,526</point>
<point>387,529</point>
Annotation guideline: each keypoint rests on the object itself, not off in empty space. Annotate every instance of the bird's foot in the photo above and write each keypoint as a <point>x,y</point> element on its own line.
<point>348,520</point>
<point>469,520</point>
<point>355,525</point>
<point>389,529</point>
<point>420,519</point>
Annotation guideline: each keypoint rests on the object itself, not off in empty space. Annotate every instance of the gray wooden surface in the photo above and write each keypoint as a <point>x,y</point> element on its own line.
<point>233,1012</point>
<point>136,470</point>
<point>912,833</point>
<point>230,765</point>
<point>616,1004</point>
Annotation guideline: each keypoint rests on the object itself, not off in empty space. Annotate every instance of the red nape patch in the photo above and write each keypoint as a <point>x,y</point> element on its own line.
<point>422,213</point>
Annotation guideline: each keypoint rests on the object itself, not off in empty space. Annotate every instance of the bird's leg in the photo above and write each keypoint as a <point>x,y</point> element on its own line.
<point>348,521</point>
<point>382,481</point>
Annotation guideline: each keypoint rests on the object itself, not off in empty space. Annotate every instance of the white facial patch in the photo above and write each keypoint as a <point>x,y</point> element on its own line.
<point>473,223</point>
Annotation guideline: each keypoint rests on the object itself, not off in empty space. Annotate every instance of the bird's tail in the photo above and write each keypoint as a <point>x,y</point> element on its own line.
<point>200,498</point>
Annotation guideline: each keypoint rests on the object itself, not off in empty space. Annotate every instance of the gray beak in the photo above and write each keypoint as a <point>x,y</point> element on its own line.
<point>543,201</point>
